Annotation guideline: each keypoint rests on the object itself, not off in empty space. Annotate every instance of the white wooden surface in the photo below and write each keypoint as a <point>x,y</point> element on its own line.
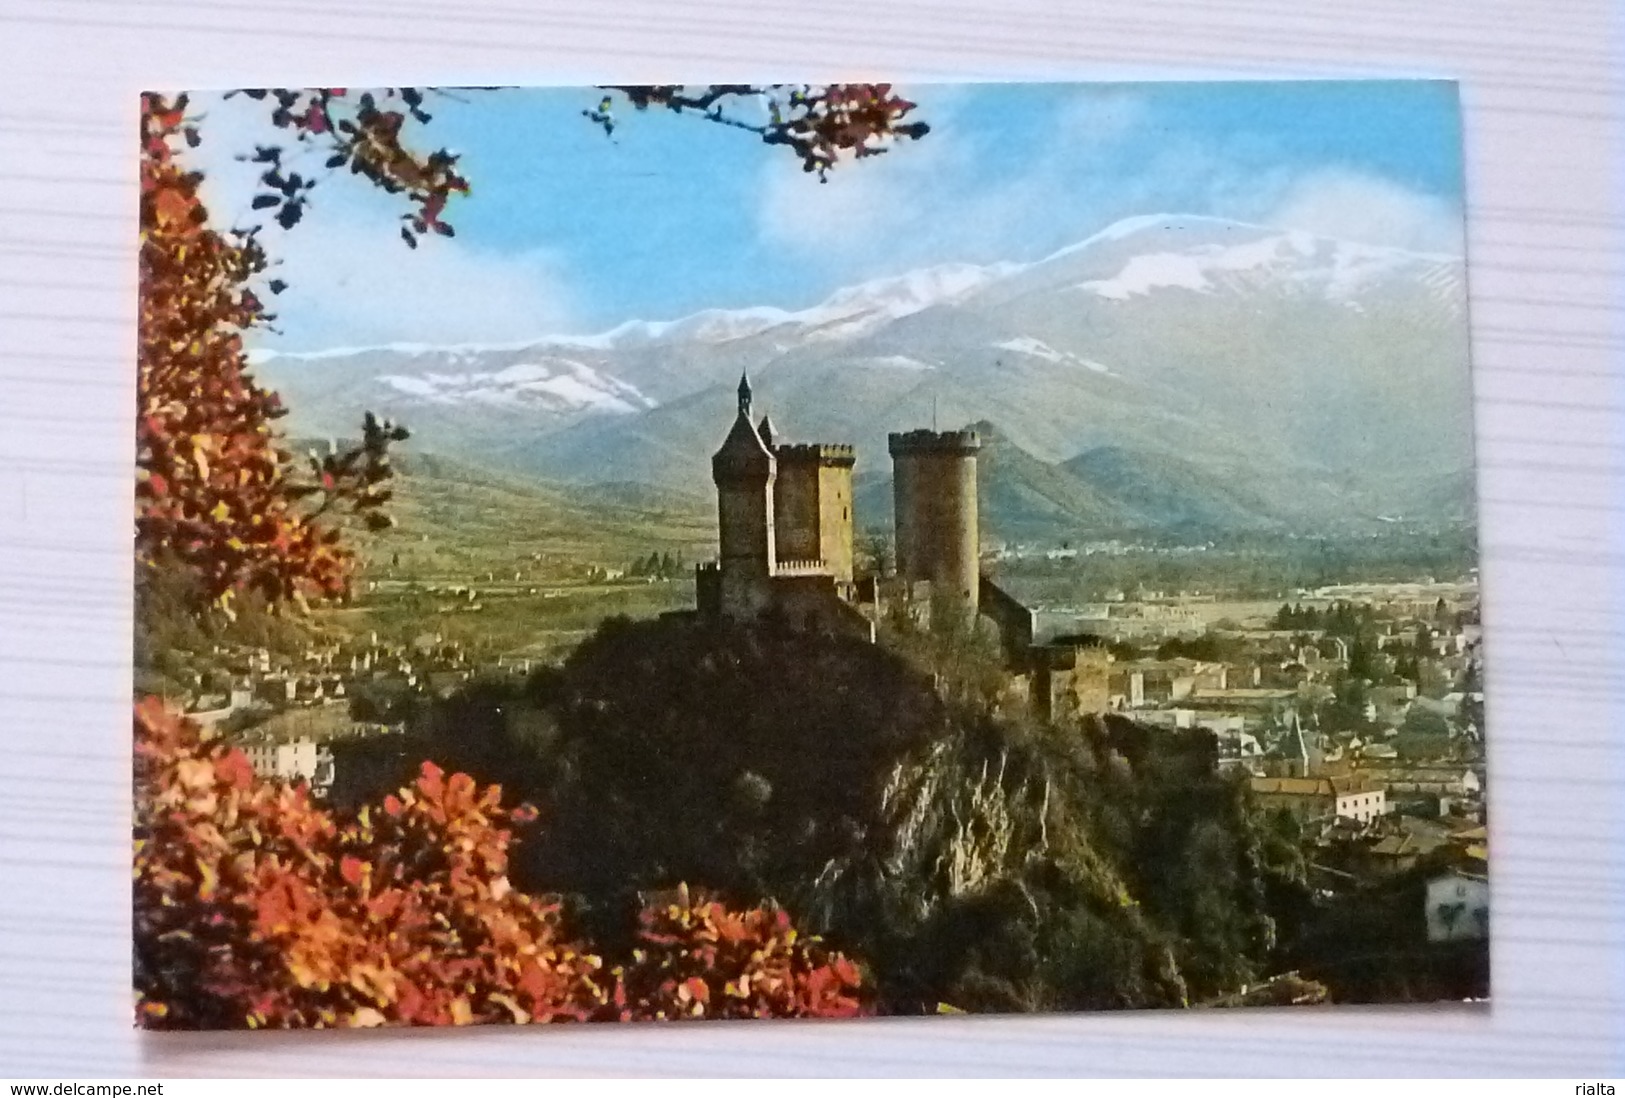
<point>1543,88</point>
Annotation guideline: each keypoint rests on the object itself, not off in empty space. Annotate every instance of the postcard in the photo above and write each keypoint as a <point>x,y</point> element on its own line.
<point>821,551</point>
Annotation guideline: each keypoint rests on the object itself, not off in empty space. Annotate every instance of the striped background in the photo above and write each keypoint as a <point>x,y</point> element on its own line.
<point>1543,83</point>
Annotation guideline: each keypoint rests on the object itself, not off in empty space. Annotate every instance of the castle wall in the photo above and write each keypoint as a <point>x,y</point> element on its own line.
<point>796,511</point>
<point>708,589</point>
<point>905,490</point>
<point>745,596</point>
<point>812,505</point>
<point>1091,674</point>
<point>835,519</point>
<point>1071,680</point>
<point>1017,625</point>
<point>745,527</point>
<point>816,604</point>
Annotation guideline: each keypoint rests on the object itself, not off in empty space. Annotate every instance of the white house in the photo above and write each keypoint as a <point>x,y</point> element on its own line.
<point>301,759</point>
<point>1458,907</point>
<point>1359,800</point>
<point>1237,746</point>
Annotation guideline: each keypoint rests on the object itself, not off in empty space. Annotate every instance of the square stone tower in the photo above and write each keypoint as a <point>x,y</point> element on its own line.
<point>812,506</point>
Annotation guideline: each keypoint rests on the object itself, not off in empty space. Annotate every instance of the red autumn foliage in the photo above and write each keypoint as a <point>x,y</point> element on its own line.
<point>257,907</point>
<point>817,123</point>
<point>214,492</point>
<point>697,959</point>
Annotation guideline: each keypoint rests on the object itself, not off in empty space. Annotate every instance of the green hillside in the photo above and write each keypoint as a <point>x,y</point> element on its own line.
<point>1104,492</point>
<point>1162,492</point>
<point>1025,499</point>
<point>455,519</point>
<point>508,565</point>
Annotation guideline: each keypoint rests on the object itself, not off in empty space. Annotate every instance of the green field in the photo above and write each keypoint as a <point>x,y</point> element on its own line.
<point>508,621</point>
<point>457,522</point>
<point>508,566</point>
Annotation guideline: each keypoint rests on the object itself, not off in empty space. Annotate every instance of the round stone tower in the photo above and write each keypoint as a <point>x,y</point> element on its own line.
<point>934,500</point>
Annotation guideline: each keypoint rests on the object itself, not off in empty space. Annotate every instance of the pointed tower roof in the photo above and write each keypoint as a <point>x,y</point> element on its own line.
<point>767,431</point>
<point>743,456</point>
<point>1303,746</point>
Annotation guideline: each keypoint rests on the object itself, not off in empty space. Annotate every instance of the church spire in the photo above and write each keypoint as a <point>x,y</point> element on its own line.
<point>744,394</point>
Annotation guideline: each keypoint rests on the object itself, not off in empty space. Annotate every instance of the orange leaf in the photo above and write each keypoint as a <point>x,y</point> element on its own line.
<point>172,206</point>
<point>352,869</point>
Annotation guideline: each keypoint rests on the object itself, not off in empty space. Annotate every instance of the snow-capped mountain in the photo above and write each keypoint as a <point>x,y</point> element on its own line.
<point>1243,347</point>
<point>555,385</point>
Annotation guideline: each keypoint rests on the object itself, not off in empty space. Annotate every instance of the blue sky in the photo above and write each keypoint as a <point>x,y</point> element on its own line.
<point>568,230</point>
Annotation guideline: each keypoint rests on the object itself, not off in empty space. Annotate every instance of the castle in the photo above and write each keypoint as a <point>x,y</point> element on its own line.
<point>784,527</point>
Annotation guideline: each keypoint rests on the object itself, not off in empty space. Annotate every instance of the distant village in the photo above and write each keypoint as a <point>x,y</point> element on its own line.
<point>285,710</point>
<point>1356,710</point>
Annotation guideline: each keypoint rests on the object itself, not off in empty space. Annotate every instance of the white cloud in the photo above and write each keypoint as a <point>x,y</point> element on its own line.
<point>351,279</point>
<point>356,282</point>
<point>858,204</point>
<point>1353,206</point>
<point>843,214</point>
<point>920,203</point>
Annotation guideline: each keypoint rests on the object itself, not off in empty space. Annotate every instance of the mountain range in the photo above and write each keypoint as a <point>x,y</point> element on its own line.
<point>1168,373</point>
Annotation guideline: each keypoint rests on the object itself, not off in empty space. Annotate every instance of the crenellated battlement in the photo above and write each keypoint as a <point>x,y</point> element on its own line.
<point>963,442</point>
<point>801,568</point>
<point>821,453</point>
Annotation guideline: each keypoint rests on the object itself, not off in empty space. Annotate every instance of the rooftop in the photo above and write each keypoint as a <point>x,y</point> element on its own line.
<point>1314,787</point>
<point>742,453</point>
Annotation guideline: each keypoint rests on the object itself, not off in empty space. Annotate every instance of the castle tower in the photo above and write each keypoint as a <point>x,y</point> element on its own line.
<point>935,510</point>
<point>812,506</point>
<point>744,470</point>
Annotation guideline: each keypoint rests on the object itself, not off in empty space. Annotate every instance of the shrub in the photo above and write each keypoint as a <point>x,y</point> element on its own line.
<point>257,907</point>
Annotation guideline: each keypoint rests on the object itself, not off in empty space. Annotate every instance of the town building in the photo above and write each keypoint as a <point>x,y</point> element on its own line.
<point>1309,799</point>
<point>1457,907</point>
<point>1143,683</point>
<point>302,759</point>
